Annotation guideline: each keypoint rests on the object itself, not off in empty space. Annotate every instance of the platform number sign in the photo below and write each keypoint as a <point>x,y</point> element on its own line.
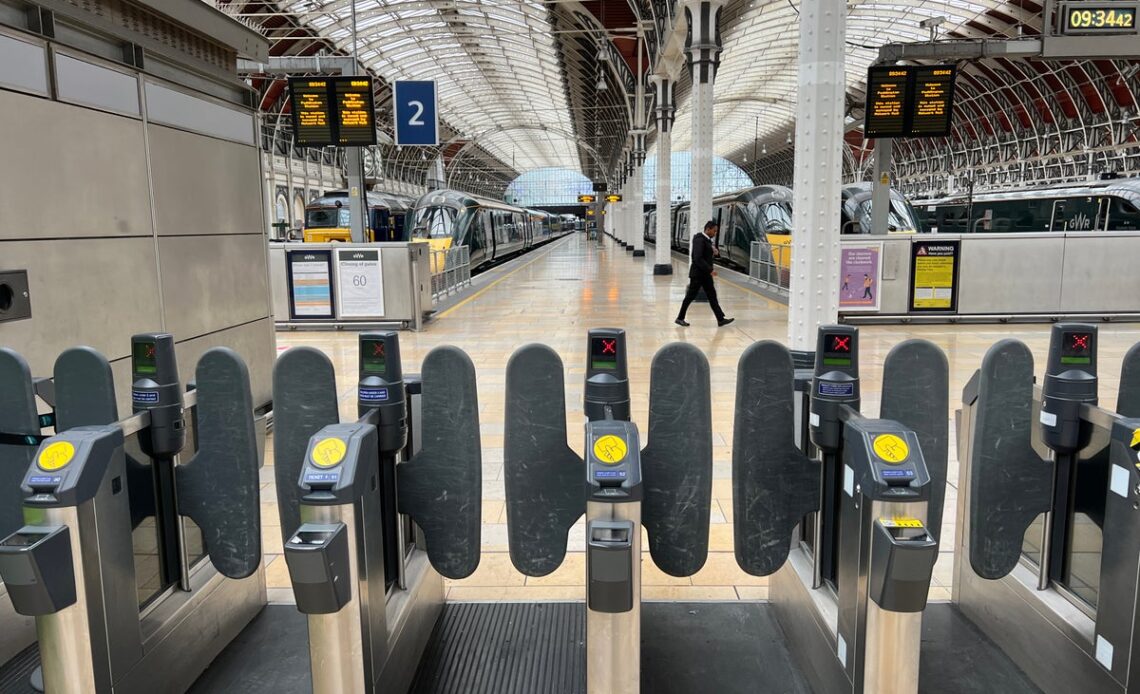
<point>417,113</point>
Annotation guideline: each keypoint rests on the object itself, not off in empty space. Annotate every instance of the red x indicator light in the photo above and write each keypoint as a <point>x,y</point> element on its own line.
<point>1080,341</point>
<point>377,349</point>
<point>840,343</point>
<point>609,346</point>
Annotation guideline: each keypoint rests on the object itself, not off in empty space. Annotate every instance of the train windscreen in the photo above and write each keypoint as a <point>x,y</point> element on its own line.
<point>435,222</point>
<point>326,217</point>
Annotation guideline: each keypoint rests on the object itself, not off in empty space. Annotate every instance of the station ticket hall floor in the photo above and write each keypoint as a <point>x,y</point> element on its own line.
<point>553,295</point>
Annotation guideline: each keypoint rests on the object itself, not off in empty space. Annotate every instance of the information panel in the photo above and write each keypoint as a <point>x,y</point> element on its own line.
<point>310,284</point>
<point>934,275</point>
<point>1114,17</point>
<point>859,277</point>
<point>356,125</point>
<point>909,101</point>
<point>360,284</point>
<point>330,111</point>
<point>886,102</point>
<point>932,101</point>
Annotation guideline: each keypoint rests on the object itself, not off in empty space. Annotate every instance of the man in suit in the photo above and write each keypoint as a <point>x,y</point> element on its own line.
<point>701,275</point>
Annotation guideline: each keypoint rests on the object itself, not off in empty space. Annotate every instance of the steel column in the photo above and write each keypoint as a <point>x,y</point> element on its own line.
<point>881,187</point>
<point>662,264</point>
<point>637,205</point>
<point>814,298</point>
<point>703,51</point>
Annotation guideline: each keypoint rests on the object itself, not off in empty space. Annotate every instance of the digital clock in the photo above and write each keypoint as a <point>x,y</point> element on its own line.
<point>1099,18</point>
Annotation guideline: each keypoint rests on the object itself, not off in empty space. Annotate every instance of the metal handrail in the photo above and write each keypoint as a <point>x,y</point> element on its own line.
<point>770,265</point>
<point>450,271</point>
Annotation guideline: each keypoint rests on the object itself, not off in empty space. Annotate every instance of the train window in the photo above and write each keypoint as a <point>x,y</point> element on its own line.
<point>777,218</point>
<point>435,223</point>
<point>1123,215</point>
<point>326,217</point>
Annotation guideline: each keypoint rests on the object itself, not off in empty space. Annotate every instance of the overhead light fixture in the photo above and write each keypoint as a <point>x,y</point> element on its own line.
<point>789,140</point>
<point>764,149</point>
<point>601,85</point>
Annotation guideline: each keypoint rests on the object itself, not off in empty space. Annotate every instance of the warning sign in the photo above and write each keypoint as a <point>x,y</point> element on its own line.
<point>934,275</point>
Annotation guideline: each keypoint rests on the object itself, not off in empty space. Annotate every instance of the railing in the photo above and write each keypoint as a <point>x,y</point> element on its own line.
<point>770,266</point>
<point>450,271</point>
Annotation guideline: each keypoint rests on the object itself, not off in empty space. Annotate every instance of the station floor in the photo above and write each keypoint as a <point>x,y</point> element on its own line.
<point>552,296</point>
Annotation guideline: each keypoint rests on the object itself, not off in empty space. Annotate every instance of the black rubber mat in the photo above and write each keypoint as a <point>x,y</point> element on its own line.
<point>957,658</point>
<point>271,655</point>
<point>539,648</point>
<point>15,675</point>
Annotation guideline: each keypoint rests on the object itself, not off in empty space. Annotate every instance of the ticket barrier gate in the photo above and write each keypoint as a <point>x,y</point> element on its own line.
<point>89,500</point>
<point>1049,508</point>
<point>667,486</point>
<point>359,568</point>
<point>839,509</point>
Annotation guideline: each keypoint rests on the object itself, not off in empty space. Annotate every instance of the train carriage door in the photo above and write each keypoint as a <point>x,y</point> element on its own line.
<point>1075,214</point>
<point>1102,212</point>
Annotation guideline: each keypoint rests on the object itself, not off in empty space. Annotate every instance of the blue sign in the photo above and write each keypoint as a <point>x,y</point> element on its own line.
<point>417,113</point>
<point>144,396</point>
<point>842,390</point>
<point>373,394</point>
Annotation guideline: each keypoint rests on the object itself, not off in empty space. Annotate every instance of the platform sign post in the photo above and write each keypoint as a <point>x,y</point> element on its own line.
<point>417,113</point>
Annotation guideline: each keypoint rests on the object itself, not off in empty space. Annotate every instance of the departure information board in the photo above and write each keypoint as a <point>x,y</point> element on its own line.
<point>909,101</point>
<point>886,102</point>
<point>330,111</point>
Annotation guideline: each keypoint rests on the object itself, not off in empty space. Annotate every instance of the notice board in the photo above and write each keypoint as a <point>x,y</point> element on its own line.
<point>859,277</point>
<point>332,111</point>
<point>310,284</point>
<point>934,275</point>
<point>360,284</point>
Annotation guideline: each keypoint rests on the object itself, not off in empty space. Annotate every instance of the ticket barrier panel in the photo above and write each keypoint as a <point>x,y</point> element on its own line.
<point>71,565</point>
<point>836,507</point>
<point>368,623</point>
<point>667,486</point>
<point>1048,496</point>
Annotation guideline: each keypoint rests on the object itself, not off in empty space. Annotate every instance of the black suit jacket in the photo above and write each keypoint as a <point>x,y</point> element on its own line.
<point>701,251</point>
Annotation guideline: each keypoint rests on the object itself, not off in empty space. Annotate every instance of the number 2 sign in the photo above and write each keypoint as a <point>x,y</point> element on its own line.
<point>417,113</point>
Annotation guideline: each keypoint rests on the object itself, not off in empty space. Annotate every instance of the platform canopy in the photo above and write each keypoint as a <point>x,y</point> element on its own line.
<point>529,84</point>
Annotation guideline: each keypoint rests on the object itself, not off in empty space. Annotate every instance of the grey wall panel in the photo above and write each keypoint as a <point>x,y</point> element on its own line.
<point>256,343</point>
<point>894,287</point>
<point>279,281</point>
<point>1100,273</point>
<point>212,282</point>
<point>1010,274</point>
<point>95,292</point>
<point>203,185</point>
<point>23,65</point>
<point>87,179</point>
<point>189,112</point>
<point>81,82</point>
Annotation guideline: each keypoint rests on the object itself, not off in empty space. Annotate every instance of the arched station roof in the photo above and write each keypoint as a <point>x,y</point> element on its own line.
<point>529,84</point>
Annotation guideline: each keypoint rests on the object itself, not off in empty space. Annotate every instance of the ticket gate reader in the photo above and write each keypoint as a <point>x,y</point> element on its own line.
<point>667,486</point>
<point>1049,495</point>
<point>371,606</point>
<point>72,566</point>
<point>836,507</point>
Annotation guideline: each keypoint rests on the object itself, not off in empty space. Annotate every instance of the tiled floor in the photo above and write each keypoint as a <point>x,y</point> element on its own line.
<point>553,296</point>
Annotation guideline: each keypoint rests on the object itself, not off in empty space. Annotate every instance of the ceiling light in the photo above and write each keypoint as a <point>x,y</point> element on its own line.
<point>601,85</point>
<point>789,140</point>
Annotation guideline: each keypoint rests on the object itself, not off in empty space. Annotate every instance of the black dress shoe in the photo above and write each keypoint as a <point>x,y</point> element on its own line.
<point>682,322</point>
<point>724,322</point>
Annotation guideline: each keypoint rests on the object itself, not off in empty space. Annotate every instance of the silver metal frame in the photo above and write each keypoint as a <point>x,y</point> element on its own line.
<point>613,640</point>
<point>1061,655</point>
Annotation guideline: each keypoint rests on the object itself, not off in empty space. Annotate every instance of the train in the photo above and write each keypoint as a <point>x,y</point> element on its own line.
<point>766,212</point>
<point>1106,205</point>
<point>492,230</point>
<point>327,217</point>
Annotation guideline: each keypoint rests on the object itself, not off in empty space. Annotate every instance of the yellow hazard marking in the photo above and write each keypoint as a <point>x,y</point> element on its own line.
<point>610,449</point>
<point>328,452</point>
<point>56,455</point>
<point>901,522</point>
<point>891,448</point>
<point>1135,439</point>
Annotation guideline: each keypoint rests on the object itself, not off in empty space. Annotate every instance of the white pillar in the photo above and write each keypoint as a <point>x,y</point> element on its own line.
<point>637,186</point>
<point>881,187</point>
<point>703,49</point>
<point>662,264</point>
<point>814,299</point>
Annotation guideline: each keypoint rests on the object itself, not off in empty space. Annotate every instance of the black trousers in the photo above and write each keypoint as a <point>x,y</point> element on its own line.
<point>697,283</point>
